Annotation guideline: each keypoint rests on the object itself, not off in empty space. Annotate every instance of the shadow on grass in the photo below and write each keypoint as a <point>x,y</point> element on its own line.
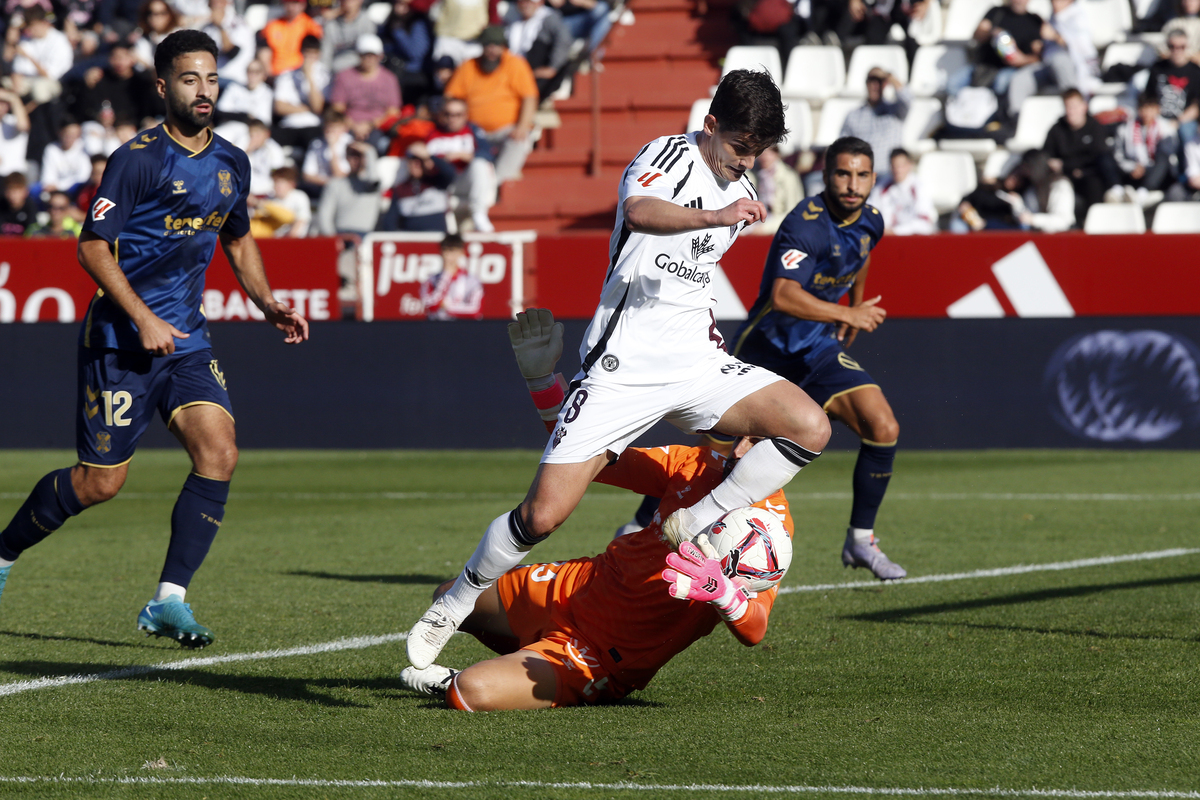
<point>304,690</point>
<point>424,580</point>
<point>908,615</point>
<point>42,637</point>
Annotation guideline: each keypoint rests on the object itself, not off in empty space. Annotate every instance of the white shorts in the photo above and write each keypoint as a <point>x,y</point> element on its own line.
<point>601,415</point>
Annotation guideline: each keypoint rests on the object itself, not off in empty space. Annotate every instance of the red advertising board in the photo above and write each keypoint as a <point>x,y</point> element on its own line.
<point>392,267</point>
<point>41,280</point>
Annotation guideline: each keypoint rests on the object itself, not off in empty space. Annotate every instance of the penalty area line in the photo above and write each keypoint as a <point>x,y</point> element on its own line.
<point>1080,794</point>
<point>1022,569</point>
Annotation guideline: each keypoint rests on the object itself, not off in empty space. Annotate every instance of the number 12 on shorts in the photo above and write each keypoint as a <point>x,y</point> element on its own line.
<point>116,404</point>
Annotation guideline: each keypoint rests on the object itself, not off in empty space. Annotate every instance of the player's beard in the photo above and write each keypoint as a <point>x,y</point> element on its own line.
<point>186,114</point>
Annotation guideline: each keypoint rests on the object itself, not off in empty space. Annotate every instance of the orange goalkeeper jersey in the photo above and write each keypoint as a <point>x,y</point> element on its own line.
<point>622,605</point>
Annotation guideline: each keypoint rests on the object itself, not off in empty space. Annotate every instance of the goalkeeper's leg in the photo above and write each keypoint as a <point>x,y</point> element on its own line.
<point>556,490</point>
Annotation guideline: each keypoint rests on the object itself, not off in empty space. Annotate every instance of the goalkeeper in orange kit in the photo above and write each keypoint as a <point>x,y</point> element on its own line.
<point>592,630</point>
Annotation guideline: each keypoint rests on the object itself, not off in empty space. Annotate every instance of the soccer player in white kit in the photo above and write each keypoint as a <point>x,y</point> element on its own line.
<point>653,351</point>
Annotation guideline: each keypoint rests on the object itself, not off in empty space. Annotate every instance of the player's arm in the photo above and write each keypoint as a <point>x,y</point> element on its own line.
<point>694,573</point>
<point>247,263</point>
<point>846,333</point>
<point>658,217</point>
<point>156,335</point>
<point>792,299</point>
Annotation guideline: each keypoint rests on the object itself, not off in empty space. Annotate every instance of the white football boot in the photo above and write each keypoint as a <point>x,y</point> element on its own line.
<point>433,680</point>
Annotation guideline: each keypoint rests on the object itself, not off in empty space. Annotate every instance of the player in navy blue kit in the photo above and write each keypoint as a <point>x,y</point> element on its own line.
<point>798,330</point>
<point>168,195</point>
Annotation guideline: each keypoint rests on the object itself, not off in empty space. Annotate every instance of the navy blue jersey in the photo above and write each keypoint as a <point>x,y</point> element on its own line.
<point>823,255</point>
<point>161,207</point>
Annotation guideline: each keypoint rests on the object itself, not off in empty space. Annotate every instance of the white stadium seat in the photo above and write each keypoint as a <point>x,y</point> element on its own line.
<point>799,119</point>
<point>815,73</point>
<point>698,113</point>
<point>1101,103</point>
<point>1115,218</point>
<point>924,117</point>
<point>1177,218</point>
<point>949,177</point>
<point>386,170</point>
<point>999,163</point>
<point>378,12</point>
<point>963,17</point>
<point>866,57</point>
<point>979,149</point>
<point>933,65</point>
<point>1135,53</point>
<point>1038,115</point>
<point>256,17</point>
<point>1108,20</point>
<point>833,114</point>
<point>755,58</point>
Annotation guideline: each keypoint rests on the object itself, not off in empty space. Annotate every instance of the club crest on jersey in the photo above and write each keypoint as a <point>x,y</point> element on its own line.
<point>101,207</point>
<point>178,187</point>
<point>792,258</point>
<point>610,363</point>
<point>702,246</point>
<point>226,182</point>
<point>103,442</point>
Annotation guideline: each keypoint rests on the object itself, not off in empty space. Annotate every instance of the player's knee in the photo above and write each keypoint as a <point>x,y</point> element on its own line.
<point>884,431</point>
<point>217,460</point>
<point>475,690</point>
<point>93,485</point>
<point>540,520</point>
<point>812,428</point>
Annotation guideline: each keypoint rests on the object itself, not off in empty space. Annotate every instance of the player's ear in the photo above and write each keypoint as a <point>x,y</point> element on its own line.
<point>161,85</point>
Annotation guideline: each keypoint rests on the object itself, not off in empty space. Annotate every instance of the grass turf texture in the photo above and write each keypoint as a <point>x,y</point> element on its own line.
<point>1080,679</point>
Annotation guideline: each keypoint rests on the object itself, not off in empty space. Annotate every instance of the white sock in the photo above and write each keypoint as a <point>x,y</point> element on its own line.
<point>6,563</point>
<point>498,552</point>
<point>165,590</point>
<point>759,474</point>
<point>861,534</point>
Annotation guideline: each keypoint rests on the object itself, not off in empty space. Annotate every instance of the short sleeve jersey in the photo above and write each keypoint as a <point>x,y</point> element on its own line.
<point>161,207</point>
<point>823,255</point>
<point>656,307</point>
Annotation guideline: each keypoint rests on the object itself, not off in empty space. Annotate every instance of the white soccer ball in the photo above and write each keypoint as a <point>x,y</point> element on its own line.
<point>753,545</point>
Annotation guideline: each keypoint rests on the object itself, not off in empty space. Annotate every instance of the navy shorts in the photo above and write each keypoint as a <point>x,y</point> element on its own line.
<point>824,374</point>
<point>119,391</point>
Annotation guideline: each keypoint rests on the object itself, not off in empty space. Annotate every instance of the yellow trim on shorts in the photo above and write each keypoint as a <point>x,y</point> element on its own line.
<point>199,403</point>
<point>767,309</point>
<point>105,466</point>
<point>846,391</point>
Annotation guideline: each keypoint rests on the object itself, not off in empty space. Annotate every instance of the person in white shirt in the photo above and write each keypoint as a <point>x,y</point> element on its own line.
<point>14,133</point>
<point>40,55</point>
<point>66,163</point>
<point>326,156</point>
<point>453,293</point>
<point>287,213</point>
<point>653,350</point>
<point>266,156</point>
<point>235,40</point>
<point>300,98</point>
<point>238,105</point>
<point>903,201</point>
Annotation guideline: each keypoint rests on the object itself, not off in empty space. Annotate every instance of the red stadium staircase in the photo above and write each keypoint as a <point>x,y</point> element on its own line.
<point>651,74</point>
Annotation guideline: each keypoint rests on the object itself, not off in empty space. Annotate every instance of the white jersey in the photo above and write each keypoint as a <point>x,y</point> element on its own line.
<point>655,323</point>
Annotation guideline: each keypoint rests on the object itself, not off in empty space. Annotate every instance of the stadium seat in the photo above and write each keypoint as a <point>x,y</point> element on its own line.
<point>754,57</point>
<point>1038,115</point>
<point>979,149</point>
<point>698,113</point>
<point>1115,218</point>
<point>386,170</point>
<point>833,114</point>
<point>933,65</point>
<point>998,164</point>
<point>378,12</point>
<point>963,17</point>
<point>948,176</point>
<point>924,117</point>
<point>1043,8</point>
<point>927,30</point>
<point>1133,53</point>
<point>1176,218</point>
<point>1101,103</point>
<point>1108,20</point>
<point>868,56</point>
<point>257,16</point>
<point>799,119</point>
<point>814,73</point>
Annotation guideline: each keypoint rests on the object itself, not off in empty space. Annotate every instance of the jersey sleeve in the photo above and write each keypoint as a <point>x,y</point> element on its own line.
<point>128,178</point>
<point>752,627</point>
<point>641,470</point>
<point>798,246</point>
<point>237,222</point>
<point>660,170</point>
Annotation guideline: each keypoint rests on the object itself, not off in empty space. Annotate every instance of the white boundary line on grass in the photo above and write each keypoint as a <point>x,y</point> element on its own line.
<point>795,497</point>
<point>1082,794</point>
<point>362,642</point>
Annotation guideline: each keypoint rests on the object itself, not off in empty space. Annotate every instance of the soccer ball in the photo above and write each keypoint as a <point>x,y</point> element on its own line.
<point>752,544</point>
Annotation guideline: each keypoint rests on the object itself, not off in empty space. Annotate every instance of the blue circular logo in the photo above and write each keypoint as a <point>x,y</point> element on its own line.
<point>1116,386</point>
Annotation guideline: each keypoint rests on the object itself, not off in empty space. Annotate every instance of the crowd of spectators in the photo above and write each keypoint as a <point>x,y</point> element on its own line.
<point>450,88</point>
<point>1142,147</point>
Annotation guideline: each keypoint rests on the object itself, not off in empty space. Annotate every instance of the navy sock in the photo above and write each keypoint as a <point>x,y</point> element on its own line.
<point>872,472</point>
<point>645,513</point>
<point>194,524</point>
<point>51,503</point>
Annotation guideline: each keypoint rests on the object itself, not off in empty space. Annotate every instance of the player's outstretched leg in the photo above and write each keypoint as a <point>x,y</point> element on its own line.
<point>51,503</point>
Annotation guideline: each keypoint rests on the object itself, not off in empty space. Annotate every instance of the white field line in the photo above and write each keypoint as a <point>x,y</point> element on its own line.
<point>795,497</point>
<point>361,642</point>
<point>1001,571</point>
<point>1081,794</point>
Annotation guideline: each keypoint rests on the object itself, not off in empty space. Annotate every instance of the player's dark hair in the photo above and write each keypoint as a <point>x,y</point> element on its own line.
<point>748,103</point>
<point>847,144</point>
<point>181,43</point>
<point>453,241</point>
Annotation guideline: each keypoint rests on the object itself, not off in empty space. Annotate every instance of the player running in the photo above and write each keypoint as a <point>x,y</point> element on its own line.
<point>592,630</point>
<point>653,352</point>
<point>167,196</point>
<point>797,329</point>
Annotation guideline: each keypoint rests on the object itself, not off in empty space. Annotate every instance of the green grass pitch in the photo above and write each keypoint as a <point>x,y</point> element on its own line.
<point>1072,681</point>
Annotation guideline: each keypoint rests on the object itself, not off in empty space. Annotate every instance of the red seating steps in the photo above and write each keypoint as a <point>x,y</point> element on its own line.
<point>652,72</point>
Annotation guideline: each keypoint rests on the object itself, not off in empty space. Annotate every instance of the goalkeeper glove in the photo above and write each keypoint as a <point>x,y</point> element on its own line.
<point>537,342</point>
<point>695,574</point>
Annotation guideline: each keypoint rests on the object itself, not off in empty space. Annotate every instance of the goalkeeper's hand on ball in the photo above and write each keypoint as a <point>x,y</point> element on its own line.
<point>695,574</point>
<point>537,342</point>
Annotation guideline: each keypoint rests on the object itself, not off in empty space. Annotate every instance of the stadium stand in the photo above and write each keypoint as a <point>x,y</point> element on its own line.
<point>890,57</point>
<point>1105,218</point>
<point>814,73</point>
<point>949,177</point>
<point>1176,218</point>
